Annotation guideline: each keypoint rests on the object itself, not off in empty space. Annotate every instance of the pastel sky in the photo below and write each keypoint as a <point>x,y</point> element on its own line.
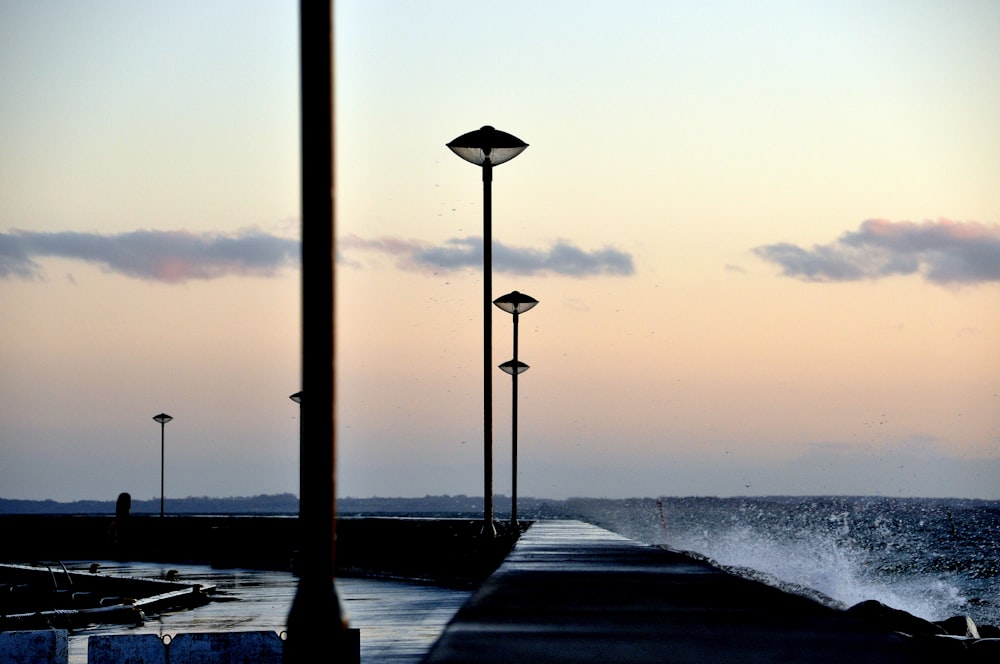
<point>765,238</point>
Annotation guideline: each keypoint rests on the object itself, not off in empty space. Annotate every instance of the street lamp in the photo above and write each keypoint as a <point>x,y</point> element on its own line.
<point>514,303</point>
<point>162,418</point>
<point>487,147</point>
<point>297,398</point>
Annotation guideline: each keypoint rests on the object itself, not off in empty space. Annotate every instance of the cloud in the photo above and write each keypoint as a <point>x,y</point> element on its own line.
<point>179,256</point>
<point>943,252</point>
<point>168,256</point>
<point>458,253</point>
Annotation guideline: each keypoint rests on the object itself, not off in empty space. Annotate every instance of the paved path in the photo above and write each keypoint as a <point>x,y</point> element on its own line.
<point>573,592</point>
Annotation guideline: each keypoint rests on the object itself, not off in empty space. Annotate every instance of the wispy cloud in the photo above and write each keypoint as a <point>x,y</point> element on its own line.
<point>560,258</point>
<point>167,256</point>
<point>943,252</point>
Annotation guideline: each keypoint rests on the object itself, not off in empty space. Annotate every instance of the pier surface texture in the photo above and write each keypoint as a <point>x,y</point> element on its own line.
<point>573,592</point>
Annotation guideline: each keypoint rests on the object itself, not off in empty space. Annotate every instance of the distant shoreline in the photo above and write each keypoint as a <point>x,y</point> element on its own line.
<point>442,505</point>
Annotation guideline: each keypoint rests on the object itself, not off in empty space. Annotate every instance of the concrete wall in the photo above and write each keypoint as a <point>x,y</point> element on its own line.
<point>49,646</point>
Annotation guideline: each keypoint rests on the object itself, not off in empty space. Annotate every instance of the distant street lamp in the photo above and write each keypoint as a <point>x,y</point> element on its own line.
<point>297,398</point>
<point>487,147</point>
<point>514,303</point>
<point>162,418</point>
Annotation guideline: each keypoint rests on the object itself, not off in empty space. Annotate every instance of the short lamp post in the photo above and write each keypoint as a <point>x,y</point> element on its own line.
<point>162,418</point>
<point>297,398</point>
<point>487,147</point>
<point>514,303</point>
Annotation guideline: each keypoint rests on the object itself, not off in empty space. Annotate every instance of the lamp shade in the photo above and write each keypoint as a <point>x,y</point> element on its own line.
<point>297,397</point>
<point>513,367</point>
<point>515,302</point>
<point>487,144</point>
<point>162,418</point>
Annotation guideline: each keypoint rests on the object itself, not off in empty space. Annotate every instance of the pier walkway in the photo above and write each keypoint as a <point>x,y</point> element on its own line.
<point>573,592</point>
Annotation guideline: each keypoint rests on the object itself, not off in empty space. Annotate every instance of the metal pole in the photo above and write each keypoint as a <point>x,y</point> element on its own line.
<point>163,425</point>
<point>513,437</point>
<point>489,530</point>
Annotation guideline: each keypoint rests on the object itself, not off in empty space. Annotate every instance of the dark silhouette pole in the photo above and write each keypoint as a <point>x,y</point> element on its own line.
<point>487,147</point>
<point>514,303</point>
<point>162,418</point>
<point>317,631</point>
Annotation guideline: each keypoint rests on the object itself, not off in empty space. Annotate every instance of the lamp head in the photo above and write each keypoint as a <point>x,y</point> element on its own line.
<point>513,368</point>
<point>515,302</point>
<point>162,418</point>
<point>487,145</point>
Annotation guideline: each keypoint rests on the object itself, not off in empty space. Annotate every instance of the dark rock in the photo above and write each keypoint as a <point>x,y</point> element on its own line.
<point>984,650</point>
<point>893,620</point>
<point>941,648</point>
<point>959,626</point>
<point>989,632</point>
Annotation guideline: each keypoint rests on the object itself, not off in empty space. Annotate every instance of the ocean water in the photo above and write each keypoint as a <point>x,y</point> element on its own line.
<point>934,558</point>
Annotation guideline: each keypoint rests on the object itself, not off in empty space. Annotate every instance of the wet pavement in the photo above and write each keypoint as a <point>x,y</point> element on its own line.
<point>399,621</point>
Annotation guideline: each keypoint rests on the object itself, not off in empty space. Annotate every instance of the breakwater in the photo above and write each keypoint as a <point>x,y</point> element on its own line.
<point>447,552</point>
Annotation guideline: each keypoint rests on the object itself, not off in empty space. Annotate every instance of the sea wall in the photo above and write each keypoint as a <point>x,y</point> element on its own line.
<point>445,551</point>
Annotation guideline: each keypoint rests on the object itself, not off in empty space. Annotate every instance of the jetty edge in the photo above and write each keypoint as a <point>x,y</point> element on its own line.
<point>571,592</point>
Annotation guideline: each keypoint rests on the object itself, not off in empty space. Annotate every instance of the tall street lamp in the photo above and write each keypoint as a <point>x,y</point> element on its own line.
<point>162,418</point>
<point>487,147</point>
<point>514,303</point>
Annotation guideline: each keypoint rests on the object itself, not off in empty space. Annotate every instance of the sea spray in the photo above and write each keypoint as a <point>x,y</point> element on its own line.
<point>932,558</point>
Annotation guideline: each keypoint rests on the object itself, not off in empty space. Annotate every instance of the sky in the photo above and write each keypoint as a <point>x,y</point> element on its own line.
<point>764,237</point>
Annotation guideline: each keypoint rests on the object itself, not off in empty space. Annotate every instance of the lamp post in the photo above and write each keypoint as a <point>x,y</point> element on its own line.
<point>162,418</point>
<point>487,147</point>
<point>297,398</point>
<point>514,303</point>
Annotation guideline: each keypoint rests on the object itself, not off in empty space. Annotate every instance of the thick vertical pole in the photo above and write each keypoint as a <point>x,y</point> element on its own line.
<point>316,627</point>
<point>489,530</point>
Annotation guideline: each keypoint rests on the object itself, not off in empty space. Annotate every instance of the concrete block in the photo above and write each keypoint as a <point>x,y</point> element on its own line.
<point>126,649</point>
<point>44,646</point>
<point>226,648</point>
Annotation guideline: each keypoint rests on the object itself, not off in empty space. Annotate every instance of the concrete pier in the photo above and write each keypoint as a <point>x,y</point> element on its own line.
<point>573,592</point>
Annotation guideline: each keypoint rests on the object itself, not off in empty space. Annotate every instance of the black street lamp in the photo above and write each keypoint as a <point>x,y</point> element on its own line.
<point>297,398</point>
<point>162,418</point>
<point>487,147</point>
<point>514,303</point>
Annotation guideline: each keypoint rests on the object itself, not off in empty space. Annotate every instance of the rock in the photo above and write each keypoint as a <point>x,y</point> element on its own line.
<point>984,650</point>
<point>989,632</point>
<point>942,648</point>
<point>894,620</point>
<point>959,626</point>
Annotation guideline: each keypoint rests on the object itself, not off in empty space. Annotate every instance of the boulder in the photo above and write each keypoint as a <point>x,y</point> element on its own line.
<point>894,620</point>
<point>984,650</point>
<point>959,626</point>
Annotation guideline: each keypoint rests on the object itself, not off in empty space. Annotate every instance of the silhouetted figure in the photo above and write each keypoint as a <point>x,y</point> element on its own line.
<point>118,533</point>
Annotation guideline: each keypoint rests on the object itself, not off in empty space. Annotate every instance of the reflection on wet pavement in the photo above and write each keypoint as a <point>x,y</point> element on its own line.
<point>399,621</point>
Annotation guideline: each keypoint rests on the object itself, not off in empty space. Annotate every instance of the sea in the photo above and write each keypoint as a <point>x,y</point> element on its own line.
<point>934,558</point>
